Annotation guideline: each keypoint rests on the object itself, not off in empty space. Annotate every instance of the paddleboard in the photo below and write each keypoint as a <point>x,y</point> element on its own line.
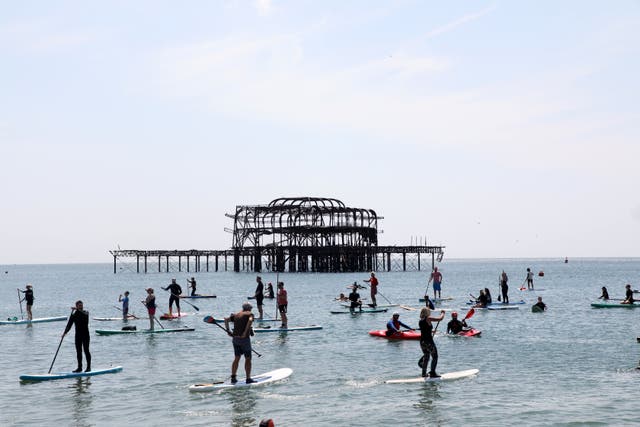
<point>262,379</point>
<point>370,306</point>
<point>62,375</point>
<point>613,305</point>
<point>110,319</point>
<point>292,328</point>
<point>497,303</point>
<point>167,316</point>
<point>437,300</point>
<point>16,321</point>
<point>532,290</point>
<point>141,331</point>
<point>266,297</point>
<point>503,307</point>
<point>198,296</point>
<point>445,377</point>
<point>356,311</point>
<point>403,335</point>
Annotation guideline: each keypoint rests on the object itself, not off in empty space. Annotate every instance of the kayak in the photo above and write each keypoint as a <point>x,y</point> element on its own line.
<point>613,305</point>
<point>437,300</point>
<point>402,335</point>
<point>198,296</point>
<point>259,380</point>
<point>356,311</point>
<point>293,328</point>
<point>167,316</point>
<point>16,321</point>
<point>445,377</point>
<point>61,375</point>
<point>141,331</point>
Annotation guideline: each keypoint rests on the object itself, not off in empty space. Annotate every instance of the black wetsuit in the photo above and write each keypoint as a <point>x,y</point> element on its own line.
<point>175,290</point>
<point>428,347</point>
<point>483,300</point>
<point>629,296</point>
<point>504,287</point>
<point>81,320</point>
<point>354,297</point>
<point>455,326</point>
<point>259,293</point>
<point>28,296</point>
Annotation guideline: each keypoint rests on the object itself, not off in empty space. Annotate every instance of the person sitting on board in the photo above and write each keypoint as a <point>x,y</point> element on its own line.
<point>455,326</point>
<point>354,297</point>
<point>488,295</point>
<point>259,295</point>
<point>428,303</point>
<point>427,345</point>
<point>269,290</point>
<point>539,306</point>
<point>282,304</point>
<point>605,294</point>
<point>80,318</point>
<point>150,303</point>
<point>373,282</point>
<point>436,276</point>
<point>529,279</point>
<point>28,297</point>
<point>242,322</point>
<point>125,305</point>
<point>192,286</point>
<point>394,324</point>
<point>481,301</point>
<point>175,291</point>
<point>628,296</point>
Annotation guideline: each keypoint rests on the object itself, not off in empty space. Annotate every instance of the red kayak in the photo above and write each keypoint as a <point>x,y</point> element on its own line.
<point>403,335</point>
<point>469,333</point>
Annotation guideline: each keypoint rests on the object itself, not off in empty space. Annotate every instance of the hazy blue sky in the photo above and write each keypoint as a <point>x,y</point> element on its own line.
<point>497,129</point>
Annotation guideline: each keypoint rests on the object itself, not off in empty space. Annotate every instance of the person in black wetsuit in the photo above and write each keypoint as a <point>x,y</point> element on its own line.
<point>628,295</point>
<point>28,297</point>
<point>270,293</point>
<point>481,301</point>
<point>428,346</point>
<point>455,326</point>
<point>539,306</point>
<point>504,287</point>
<point>80,318</point>
<point>354,297</point>
<point>176,291</point>
<point>428,303</point>
<point>605,294</point>
<point>192,285</point>
<point>487,293</point>
<point>259,294</point>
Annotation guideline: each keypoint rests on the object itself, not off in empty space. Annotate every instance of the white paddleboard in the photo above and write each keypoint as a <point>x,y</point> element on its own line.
<point>445,377</point>
<point>262,379</point>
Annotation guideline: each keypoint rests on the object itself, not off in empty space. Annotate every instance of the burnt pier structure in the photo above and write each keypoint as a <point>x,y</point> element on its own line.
<point>297,234</point>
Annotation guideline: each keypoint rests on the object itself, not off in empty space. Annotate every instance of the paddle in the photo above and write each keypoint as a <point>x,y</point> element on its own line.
<point>385,298</point>
<point>59,344</point>
<point>210,319</point>
<point>177,296</point>
<point>129,314</point>
<point>154,317</point>
<point>20,302</point>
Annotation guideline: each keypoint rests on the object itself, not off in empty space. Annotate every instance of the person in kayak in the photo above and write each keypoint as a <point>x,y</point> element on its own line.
<point>539,306</point>
<point>394,324</point>
<point>269,291</point>
<point>628,295</point>
<point>529,279</point>
<point>28,297</point>
<point>125,305</point>
<point>428,346</point>
<point>373,282</point>
<point>175,291</point>
<point>605,294</point>
<point>192,286</point>
<point>487,293</point>
<point>436,276</point>
<point>80,318</point>
<point>242,322</point>
<point>481,301</point>
<point>150,303</point>
<point>455,326</point>
<point>282,304</point>
<point>354,297</point>
<point>428,303</point>
<point>504,287</point>
<point>259,295</point>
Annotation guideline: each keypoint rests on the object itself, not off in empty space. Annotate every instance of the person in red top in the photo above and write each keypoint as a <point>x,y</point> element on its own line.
<point>282,304</point>
<point>373,282</point>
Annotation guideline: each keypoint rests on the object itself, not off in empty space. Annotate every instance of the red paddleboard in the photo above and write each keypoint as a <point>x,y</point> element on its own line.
<point>167,316</point>
<point>404,335</point>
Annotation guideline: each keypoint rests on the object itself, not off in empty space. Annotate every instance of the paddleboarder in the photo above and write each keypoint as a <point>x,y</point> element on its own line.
<point>354,297</point>
<point>192,286</point>
<point>269,291</point>
<point>242,322</point>
<point>259,295</point>
<point>394,324</point>
<point>605,294</point>
<point>373,282</point>
<point>628,296</point>
<point>80,318</point>
<point>125,305</point>
<point>150,303</point>
<point>539,306</point>
<point>487,293</point>
<point>428,346</point>
<point>282,304</point>
<point>436,276</point>
<point>481,301</point>
<point>529,279</point>
<point>428,303</point>
<point>28,297</point>
<point>175,291</point>
<point>504,287</point>
<point>455,326</point>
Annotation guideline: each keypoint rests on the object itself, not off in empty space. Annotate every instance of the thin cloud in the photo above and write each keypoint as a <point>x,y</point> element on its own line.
<point>451,26</point>
<point>264,7</point>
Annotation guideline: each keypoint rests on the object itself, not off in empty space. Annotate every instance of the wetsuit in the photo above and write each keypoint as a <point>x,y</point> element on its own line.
<point>504,287</point>
<point>354,297</point>
<point>259,293</point>
<point>393,327</point>
<point>269,291</point>
<point>629,296</point>
<point>429,303</point>
<point>81,321</point>
<point>28,296</point>
<point>455,326</point>
<point>192,282</point>
<point>428,347</point>
<point>175,290</point>
<point>542,306</point>
<point>487,294</point>
<point>482,300</point>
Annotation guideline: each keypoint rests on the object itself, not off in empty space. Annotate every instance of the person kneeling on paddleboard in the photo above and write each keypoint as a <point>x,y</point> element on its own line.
<point>354,297</point>
<point>427,344</point>
<point>455,326</point>
<point>393,325</point>
<point>242,322</point>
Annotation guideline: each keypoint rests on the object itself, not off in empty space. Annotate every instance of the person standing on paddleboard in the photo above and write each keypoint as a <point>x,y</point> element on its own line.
<point>282,304</point>
<point>504,287</point>
<point>529,279</point>
<point>28,297</point>
<point>373,283</point>
<point>192,285</point>
<point>175,292</point>
<point>259,295</point>
<point>354,297</point>
<point>242,322</point>
<point>436,276</point>
<point>125,305</point>
<point>427,344</point>
<point>150,303</point>
<point>393,325</point>
<point>80,318</point>
<point>455,326</point>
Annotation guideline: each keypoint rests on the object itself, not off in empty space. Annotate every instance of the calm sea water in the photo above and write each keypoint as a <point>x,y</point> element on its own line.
<point>572,365</point>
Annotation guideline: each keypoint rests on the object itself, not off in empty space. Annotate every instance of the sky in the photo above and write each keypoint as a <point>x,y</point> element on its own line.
<point>496,129</point>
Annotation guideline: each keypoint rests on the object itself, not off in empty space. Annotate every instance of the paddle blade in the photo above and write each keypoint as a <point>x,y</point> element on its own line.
<point>470,313</point>
<point>209,319</point>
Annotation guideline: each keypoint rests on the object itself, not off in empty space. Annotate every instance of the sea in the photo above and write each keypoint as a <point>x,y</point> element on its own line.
<point>571,365</point>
